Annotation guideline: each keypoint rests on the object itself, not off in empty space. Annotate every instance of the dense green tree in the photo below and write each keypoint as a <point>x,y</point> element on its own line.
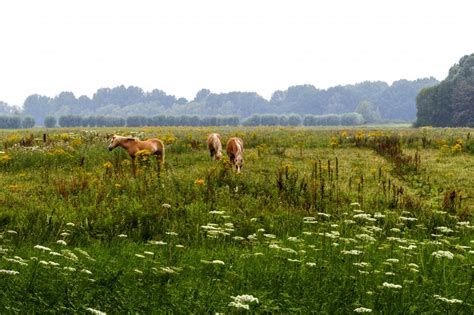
<point>451,102</point>
<point>28,122</point>
<point>50,121</point>
<point>368,112</point>
<point>70,121</point>
<point>10,122</point>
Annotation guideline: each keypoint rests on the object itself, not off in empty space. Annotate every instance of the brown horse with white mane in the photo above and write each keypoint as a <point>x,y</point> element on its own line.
<point>214,145</point>
<point>133,145</point>
<point>235,151</point>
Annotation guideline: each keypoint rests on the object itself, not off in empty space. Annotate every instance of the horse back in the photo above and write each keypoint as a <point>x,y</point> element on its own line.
<point>234,146</point>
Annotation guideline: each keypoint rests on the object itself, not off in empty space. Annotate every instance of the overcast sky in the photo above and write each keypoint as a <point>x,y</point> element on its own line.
<point>181,46</point>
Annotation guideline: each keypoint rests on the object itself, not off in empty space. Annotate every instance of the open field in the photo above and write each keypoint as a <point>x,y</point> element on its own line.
<point>331,221</point>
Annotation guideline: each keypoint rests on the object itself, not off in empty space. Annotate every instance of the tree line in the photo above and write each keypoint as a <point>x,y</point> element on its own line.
<point>395,101</point>
<point>348,119</point>
<point>16,122</point>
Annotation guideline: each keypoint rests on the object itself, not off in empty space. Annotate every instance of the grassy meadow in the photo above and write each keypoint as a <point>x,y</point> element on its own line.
<point>325,221</point>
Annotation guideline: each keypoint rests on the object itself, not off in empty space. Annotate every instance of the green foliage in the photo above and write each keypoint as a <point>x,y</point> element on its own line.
<point>451,102</point>
<point>392,102</point>
<point>368,112</point>
<point>50,122</point>
<point>27,122</point>
<point>316,222</point>
<point>70,121</point>
<point>10,122</point>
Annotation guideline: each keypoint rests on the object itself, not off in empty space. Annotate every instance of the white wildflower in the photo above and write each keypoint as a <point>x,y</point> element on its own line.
<point>12,232</point>
<point>171,233</point>
<point>149,253</point>
<point>86,271</point>
<point>326,215</point>
<point>252,237</point>
<point>245,298</point>
<point>69,269</point>
<point>69,255</point>
<point>40,247</point>
<point>139,256</point>
<point>157,242</point>
<point>365,237</point>
<point>353,204</point>
<point>311,264</point>
<point>391,285</point>
<point>293,239</point>
<point>239,305</point>
<point>409,247</point>
<point>261,230</point>
<point>450,301</point>
<point>361,264</point>
<point>138,271</point>
<point>9,272</point>
<point>96,312</point>
<point>122,235</point>
<point>393,260</point>
<point>179,246</point>
<point>218,262</point>
<point>443,254</point>
<point>61,242</point>
<point>362,310</point>
<point>16,261</point>
<point>353,252</point>
<point>408,219</point>
<point>70,224</point>
<point>444,229</point>
<point>238,238</point>
<point>374,228</point>
<point>288,250</point>
<point>167,270</point>
<point>216,212</point>
<point>166,205</point>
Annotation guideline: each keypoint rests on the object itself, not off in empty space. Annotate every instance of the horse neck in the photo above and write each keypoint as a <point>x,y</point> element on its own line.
<point>126,145</point>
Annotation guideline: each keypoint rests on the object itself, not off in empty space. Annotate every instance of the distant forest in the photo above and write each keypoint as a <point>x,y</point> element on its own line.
<point>374,101</point>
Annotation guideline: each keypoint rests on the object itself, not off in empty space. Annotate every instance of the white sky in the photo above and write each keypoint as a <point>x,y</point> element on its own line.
<point>181,46</point>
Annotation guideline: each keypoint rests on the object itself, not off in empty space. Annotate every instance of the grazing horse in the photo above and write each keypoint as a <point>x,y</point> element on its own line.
<point>133,145</point>
<point>215,146</point>
<point>235,151</point>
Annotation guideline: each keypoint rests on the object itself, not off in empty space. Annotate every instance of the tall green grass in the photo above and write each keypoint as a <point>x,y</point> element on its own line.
<point>318,222</point>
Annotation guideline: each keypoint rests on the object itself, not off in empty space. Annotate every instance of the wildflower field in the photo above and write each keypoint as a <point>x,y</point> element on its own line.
<point>325,221</point>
